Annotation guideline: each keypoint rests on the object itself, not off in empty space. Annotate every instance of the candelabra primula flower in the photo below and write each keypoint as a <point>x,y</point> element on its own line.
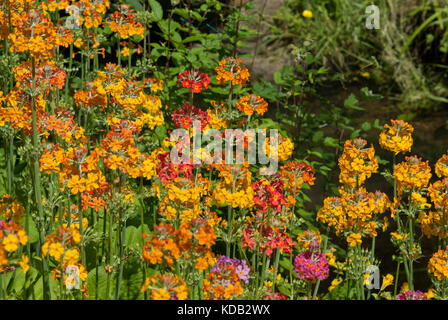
<point>232,70</point>
<point>124,22</point>
<point>311,266</point>
<point>217,119</point>
<point>397,137</point>
<point>357,163</point>
<point>187,115</point>
<point>193,79</point>
<point>279,148</point>
<point>166,287</point>
<point>294,174</point>
<point>412,174</point>
<point>441,167</point>
<point>11,208</point>
<point>438,264</point>
<point>252,103</point>
<point>235,187</point>
<point>269,195</point>
<point>226,279</point>
<point>413,295</point>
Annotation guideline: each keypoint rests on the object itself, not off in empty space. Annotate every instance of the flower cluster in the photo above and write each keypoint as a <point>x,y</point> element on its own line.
<point>252,103</point>
<point>226,279</point>
<point>194,79</point>
<point>397,136</point>
<point>413,295</point>
<point>412,174</point>
<point>357,163</point>
<point>311,266</point>
<point>232,70</point>
<point>165,287</point>
<point>438,264</point>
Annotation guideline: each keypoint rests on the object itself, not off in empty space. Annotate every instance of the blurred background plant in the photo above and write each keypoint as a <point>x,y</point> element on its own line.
<point>406,56</point>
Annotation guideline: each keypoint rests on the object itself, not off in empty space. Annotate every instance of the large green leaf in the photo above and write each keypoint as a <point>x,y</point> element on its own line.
<point>156,10</point>
<point>102,284</point>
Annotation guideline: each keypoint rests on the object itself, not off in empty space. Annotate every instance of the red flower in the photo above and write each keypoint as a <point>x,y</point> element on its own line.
<point>194,79</point>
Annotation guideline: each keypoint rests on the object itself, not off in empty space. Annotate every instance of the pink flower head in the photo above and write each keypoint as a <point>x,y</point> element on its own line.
<point>311,266</point>
<point>413,295</point>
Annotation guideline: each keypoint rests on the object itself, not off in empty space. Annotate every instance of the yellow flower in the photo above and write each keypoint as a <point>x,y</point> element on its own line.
<point>404,287</point>
<point>387,281</point>
<point>397,136</point>
<point>418,199</point>
<point>10,243</point>
<point>24,263</point>
<point>438,265</point>
<point>354,239</point>
<point>160,294</point>
<point>78,43</point>
<point>125,52</point>
<point>56,250</point>
<point>334,283</point>
<point>268,284</point>
<point>399,236</point>
<point>430,294</point>
<point>23,238</point>
<point>307,14</point>
<point>71,256</point>
<point>366,278</point>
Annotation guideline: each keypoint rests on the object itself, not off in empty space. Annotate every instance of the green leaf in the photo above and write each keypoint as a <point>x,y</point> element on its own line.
<point>192,39</point>
<point>317,136</point>
<point>102,284</point>
<point>18,282</point>
<point>355,134</point>
<point>316,153</point>
<point>351,103</point>
<point>135,4</point>
<point>33,233</point>
<point>366,126</point>
<point>156,10</point>
<point>278,78</point>
<point>132,281</point>
<point>286,264</point>
<point>132,236</point>
<point>331,142</point>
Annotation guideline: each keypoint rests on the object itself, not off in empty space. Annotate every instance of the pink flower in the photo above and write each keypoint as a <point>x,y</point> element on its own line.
<point>311,266</point>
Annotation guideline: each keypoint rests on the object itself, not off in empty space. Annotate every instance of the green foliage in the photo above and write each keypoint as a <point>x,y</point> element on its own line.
<point>395,55</point>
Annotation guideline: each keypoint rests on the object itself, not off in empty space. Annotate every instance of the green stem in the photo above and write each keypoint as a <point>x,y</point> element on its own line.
<point>397,273</point>
<point>122,244</point>
<point>411,262</point>
<point>81,230</point>
<point>37,184</point>
<point>119,51</point>
<point>109,274</point>
<point>70,63</point>
<point>274,277</point>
